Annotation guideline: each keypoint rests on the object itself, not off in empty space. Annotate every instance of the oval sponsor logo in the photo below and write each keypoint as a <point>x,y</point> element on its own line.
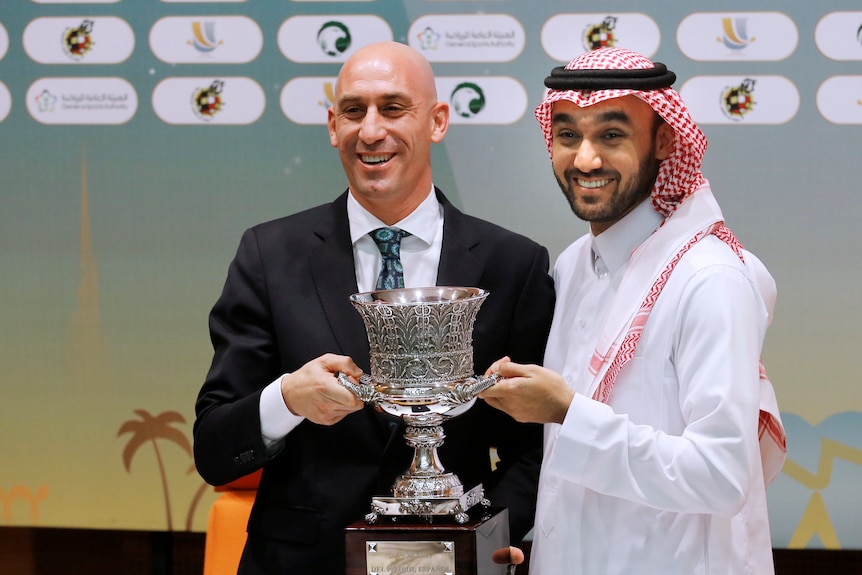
<point>306,100</point>
<point>79,40</point>
<point>467,38</point>
<point>4,41</point>
<point>205,100</point>
<point>5,101</point>
<point>741,99</point>
<point>838,35</point>
<point>566,36</point>
<point>483,99</point>
<point>725,36</point>
<point>206,39</point>
<point>839,99</point>
<point>91,101</point>
<point>317,39</point>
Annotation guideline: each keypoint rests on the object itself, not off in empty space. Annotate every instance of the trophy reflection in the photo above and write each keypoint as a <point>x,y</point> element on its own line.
<point>421,342</point>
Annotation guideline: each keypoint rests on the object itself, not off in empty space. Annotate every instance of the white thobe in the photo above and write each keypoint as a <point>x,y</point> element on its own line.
<point>665,478</point>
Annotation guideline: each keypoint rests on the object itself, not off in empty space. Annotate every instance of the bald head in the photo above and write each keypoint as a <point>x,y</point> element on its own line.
<point>384,120</point>
<point>390,61</point>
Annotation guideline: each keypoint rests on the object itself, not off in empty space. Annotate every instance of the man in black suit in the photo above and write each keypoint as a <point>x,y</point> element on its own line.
<point>284,326</point>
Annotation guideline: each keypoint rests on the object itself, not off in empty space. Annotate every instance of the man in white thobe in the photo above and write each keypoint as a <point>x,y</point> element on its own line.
<point>662,430</point>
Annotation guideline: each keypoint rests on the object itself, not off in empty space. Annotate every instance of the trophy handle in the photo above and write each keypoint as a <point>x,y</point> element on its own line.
<point>464,392</point>
<point>365,391</point>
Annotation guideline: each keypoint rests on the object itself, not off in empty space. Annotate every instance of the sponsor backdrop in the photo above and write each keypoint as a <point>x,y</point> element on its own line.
<point>138,139</point>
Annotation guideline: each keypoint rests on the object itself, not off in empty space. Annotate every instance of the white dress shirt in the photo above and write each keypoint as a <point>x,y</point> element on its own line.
<point>420,256</point>
<point>665,478</point>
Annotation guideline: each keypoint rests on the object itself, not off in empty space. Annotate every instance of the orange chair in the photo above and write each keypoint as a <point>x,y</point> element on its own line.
<point>228,518</point>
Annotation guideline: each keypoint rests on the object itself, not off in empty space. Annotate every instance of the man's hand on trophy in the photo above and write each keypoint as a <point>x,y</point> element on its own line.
<point>529,393</point>
<point>314,393</point>
<point>510,556</point>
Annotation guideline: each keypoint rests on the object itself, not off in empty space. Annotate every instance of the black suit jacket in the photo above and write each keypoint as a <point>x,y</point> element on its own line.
<point>285,302</point>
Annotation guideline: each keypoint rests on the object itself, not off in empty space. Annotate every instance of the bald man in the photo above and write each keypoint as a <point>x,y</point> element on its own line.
<point>284,326</point>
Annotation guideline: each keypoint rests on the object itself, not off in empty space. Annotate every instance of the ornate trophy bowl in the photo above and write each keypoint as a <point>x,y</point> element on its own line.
<point>421,343</point>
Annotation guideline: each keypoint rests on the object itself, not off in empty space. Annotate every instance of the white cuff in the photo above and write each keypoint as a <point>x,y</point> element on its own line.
<point>276,420</point>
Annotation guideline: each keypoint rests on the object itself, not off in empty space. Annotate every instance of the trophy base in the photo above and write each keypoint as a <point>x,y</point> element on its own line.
<point>429,548</point>
<point>427,507</point>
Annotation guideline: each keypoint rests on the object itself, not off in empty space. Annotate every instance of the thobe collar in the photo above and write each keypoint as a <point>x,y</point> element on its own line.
<point>612,248</point>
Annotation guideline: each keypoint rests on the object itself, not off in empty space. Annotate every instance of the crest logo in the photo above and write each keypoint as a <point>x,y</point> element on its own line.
<point>334,38</point>
<point>601,35</point>
<point>204,37</point>
<point>735,34</point>
<point>78,41</point>
<point>207,102</point>
<point>467,99</point>
<point>737,101</point>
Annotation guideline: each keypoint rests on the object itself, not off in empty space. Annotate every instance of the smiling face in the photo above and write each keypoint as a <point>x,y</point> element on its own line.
<point>384,120</point>
<point>606,156</point>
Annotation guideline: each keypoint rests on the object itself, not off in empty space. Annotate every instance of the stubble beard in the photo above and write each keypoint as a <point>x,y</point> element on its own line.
<point>623,200</point>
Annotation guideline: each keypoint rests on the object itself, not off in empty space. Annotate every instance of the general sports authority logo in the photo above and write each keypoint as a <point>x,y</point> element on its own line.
<point>737,101</point>
<point>428,38</point>
<point>467,99</point>
<point>601,35</point>
<point>78,41</point>
<point>45,101</point>
<point>334,38</point>
<point>207,102</point>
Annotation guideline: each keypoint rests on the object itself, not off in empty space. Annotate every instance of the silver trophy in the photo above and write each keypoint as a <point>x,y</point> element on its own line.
<point>421,342</point>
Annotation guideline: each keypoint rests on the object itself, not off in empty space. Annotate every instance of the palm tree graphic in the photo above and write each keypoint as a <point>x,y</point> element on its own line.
<point>148,429</point>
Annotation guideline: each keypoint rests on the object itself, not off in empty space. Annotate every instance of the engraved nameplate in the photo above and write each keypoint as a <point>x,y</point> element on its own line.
<point>410,557</point>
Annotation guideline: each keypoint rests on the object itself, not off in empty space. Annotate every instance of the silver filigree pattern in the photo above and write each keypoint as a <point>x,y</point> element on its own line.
<point>420,342</point>
<point>421,350</point>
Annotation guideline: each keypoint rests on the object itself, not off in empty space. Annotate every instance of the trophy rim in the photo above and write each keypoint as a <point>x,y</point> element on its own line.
<point>430,295</point>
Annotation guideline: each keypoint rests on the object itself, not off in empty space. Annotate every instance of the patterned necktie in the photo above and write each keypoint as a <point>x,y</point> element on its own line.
<point>388,241</point>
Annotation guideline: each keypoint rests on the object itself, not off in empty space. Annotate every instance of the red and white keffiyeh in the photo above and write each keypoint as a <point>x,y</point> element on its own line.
<point>679,176</point>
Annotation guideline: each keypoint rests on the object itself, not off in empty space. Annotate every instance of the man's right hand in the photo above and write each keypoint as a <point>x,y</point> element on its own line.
<point>314,393</point>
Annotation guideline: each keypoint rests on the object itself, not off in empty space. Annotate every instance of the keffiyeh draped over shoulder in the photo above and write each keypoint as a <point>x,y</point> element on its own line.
<point>608,73</point>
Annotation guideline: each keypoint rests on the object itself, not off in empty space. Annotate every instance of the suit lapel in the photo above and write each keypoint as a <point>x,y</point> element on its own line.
<point>459,265</point>
<point>334,277</point>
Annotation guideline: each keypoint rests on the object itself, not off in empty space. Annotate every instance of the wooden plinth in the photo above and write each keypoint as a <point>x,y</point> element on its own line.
<point>411,546</point>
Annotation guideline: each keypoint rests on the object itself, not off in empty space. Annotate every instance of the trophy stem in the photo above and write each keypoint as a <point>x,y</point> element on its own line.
<point>426,476</point>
